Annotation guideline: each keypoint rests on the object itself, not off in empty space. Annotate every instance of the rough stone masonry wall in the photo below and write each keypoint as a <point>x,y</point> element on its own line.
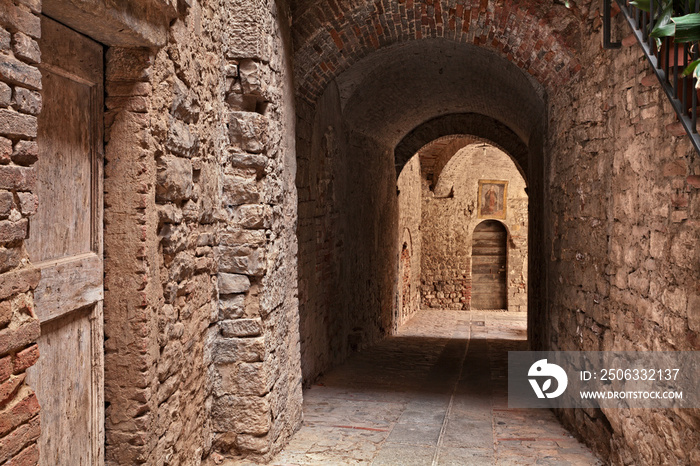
<point>409,245</point>
<point>449,216</point>
<point>348,235</point>
<point>20,103</point>
<point>624,198</point>
<point>162,148</point>
<point>256,374</point>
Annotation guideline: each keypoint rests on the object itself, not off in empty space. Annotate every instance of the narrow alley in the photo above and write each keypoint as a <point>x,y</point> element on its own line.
<point>435,393</point>
<point>308,232</point>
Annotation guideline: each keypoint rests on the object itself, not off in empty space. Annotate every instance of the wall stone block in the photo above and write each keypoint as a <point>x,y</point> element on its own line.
<point>13,71</point>
<point>5,95</point>
<point>17,125</point>
<point>248,415</point>
<point>252,264</point>
<point>242,237</point>
<point>7,202</point>
<point>174,181</point>
<point>240,190</point>
<point>26,48</point>
<point>255,77</point>
<point>247,131</point>
<point>26,101</point>
<point>230,283</point>
<point>5,40</point>
<point>25,153</point>
<point>181,140</point>
<point>228,350</point>
<point>241,328</point>
<point>231,306</point>
<point>13,231</point>
<point>256,162</point>
<point>18,18</point>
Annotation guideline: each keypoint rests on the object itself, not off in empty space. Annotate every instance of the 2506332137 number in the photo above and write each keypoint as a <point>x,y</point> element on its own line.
<point>638,374</point>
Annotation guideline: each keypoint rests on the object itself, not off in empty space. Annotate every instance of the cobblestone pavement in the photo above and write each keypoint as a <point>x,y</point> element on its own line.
<point>433,394</point>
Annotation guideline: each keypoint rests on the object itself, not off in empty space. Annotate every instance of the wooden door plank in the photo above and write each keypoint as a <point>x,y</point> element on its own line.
<point>70,51</point>
<point>63,381</point>
<point>489,261</point>
<point>68,284</point>
<point>66,243</point>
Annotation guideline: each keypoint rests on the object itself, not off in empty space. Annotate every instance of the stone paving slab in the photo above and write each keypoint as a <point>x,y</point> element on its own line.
<point>434,394</point>
<point>415,434</point>
<point>465,456</point>
<point>393,455</point>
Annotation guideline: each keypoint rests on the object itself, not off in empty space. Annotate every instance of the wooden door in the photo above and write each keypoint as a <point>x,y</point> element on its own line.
<point>489,253</point>
<point>65,241</point>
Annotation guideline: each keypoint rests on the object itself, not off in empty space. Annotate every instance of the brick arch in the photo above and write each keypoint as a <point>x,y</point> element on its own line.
<point>332,35</point>
<point>481,127</point>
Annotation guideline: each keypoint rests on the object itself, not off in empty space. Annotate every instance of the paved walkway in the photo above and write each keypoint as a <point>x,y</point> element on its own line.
<point>435,394</point>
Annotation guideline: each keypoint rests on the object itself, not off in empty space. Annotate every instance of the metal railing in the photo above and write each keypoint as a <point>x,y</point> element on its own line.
<point>668,67</point>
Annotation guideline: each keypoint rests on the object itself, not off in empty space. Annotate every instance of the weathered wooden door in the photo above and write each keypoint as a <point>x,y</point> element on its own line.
<point>489,266</point>
<point>66,242</point>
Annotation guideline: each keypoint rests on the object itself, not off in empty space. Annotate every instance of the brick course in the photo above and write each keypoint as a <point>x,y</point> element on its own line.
<point>19,328</point>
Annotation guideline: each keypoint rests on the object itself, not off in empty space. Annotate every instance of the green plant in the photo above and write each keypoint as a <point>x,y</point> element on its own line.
<point>671,19</point>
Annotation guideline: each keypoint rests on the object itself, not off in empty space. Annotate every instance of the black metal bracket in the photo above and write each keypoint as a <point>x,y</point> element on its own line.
<point>607,16</point>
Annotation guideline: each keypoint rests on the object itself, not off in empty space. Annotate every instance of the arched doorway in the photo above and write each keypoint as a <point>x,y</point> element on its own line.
<point>489,252</point>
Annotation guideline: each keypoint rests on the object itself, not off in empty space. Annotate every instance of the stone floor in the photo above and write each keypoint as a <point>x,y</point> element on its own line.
<point>433,394</point>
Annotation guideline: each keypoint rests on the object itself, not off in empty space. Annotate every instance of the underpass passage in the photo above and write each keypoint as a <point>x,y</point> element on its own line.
<point>435,393</point>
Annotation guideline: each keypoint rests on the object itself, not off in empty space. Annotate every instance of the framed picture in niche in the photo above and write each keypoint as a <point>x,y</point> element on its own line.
<point>491,202</point>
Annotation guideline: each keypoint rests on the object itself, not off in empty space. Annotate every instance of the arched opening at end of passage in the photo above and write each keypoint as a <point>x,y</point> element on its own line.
<point>439,139</point>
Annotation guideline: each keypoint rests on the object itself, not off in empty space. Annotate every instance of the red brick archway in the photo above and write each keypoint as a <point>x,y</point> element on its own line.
<point>332,35</point>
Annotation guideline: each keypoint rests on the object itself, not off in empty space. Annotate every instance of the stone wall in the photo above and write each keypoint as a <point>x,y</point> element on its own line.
<point>163,140</point>
<point>449,216</point>
<point>408,291</point>
<point>20,103</point>
<point>162,154</point>
<point>321,229</point>
<point>348,235</point>
<point>625,217</point>
<point>256,402</point>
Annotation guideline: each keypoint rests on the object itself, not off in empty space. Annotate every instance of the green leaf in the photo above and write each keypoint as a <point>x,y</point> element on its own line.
<point>687,27</point>
<point>667,30</point>
<point>644,5</point>
<point>664,27</point>
<point>692,68</point>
